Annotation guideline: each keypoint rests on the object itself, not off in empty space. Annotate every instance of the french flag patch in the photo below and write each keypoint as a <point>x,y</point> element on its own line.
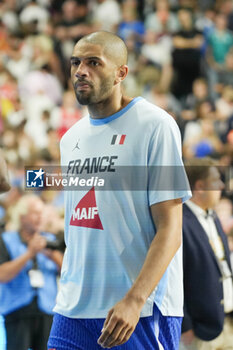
<point>118,139</point>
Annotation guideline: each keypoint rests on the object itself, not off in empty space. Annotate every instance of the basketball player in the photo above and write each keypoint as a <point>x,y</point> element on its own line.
<point>121,281</point>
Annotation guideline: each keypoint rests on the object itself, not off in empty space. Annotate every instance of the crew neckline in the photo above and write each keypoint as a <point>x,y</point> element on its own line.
<point>115,115</point>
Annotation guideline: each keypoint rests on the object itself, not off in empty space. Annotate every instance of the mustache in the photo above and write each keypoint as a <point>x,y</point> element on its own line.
<point>81,81</point>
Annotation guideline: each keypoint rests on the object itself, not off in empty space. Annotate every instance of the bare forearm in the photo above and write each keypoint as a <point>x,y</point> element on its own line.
<point>123,317</point>
<point>160,254</point>
<point>10,269</point>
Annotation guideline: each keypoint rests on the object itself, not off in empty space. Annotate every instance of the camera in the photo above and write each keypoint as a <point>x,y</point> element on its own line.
<point>55,245</point>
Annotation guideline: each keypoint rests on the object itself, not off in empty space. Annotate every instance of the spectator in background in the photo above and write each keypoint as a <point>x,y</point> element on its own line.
<point>33,17</point>
<point>56,56</point>
<point>28,274</point>
<point>226,7</point>
<point>156,51</point>
<point>204,22</point>
<point>106,15</point>
<point>220,41</point>
<point>15,59</point>
<point>132,85</point>
<point>43,53</point>
<point>72,22</point>
<point>4,181</point>
<point>131,27</point>
<point>9,15</point>
<point>224,112</point>
<point>41,81</point>
<point>63,117</point>
<point>74,13</point>
<point>10,144</point>
<point>200,93</point>
<point>188,4</point>
<point>200,137</point>
<point>8,203</point>
<point>205,4</point>
<point>208,288</point>
<point>225,76</point>
<point>164,100</point>
<point>17,115</point>
<point>51,152</point>
<point>162,21</point>
<point>8,95</point>
<point>186,55</point>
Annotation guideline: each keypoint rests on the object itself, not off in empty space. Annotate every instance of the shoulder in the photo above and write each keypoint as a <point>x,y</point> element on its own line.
<point>72,132</point>
<point>149,113</point>
<point>190,224</point>
<point>9,239</point>
<point>8,235</point>
<point>156,125</point>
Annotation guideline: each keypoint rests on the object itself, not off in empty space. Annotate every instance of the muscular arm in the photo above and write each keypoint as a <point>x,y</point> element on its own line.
<point>123,317</point>
<point>4,182</point>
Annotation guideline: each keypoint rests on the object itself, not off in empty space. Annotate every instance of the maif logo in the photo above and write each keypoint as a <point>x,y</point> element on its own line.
<point>35,178</point>
<point>86,213</point>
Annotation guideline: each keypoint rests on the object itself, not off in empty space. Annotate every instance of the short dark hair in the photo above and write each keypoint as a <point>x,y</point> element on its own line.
<point>198,169</point>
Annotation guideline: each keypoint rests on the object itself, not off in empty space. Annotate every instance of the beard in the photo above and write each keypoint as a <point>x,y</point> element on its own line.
<point>93,96</point>
<point>84,98</point>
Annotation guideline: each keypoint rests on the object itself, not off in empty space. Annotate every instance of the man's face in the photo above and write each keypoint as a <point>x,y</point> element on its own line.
<point>92,73</point>
<point>221,22</point>
<point>213,187</point>
<point>32,221</point>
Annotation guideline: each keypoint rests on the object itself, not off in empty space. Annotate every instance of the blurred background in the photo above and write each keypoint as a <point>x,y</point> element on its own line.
<point>180,58</point>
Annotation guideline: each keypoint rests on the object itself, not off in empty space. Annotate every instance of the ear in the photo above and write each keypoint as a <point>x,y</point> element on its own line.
<point>199,185</point>
<point>121,74</point>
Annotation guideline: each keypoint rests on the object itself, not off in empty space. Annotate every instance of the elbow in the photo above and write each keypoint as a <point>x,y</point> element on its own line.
<point>4,276</point>
<point>4,279</point>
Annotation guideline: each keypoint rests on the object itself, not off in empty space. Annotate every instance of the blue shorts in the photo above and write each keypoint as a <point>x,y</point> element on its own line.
<point>155,332</point>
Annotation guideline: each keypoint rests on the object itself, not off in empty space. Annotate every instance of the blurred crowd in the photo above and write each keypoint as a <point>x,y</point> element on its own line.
<point>180,58</point>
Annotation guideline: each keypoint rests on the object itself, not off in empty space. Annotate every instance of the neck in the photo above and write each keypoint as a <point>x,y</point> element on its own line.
<point>221,30</point>
<point>109,106</point>
<point>187,27</point>
<point>199,203</point>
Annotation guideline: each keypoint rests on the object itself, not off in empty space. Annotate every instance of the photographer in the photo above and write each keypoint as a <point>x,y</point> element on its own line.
<point>28,272</point>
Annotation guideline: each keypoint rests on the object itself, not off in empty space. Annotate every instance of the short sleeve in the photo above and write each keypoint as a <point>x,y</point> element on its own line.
<point>166,173</point>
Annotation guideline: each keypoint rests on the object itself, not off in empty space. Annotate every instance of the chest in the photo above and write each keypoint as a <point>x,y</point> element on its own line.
<point>100,149</point>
